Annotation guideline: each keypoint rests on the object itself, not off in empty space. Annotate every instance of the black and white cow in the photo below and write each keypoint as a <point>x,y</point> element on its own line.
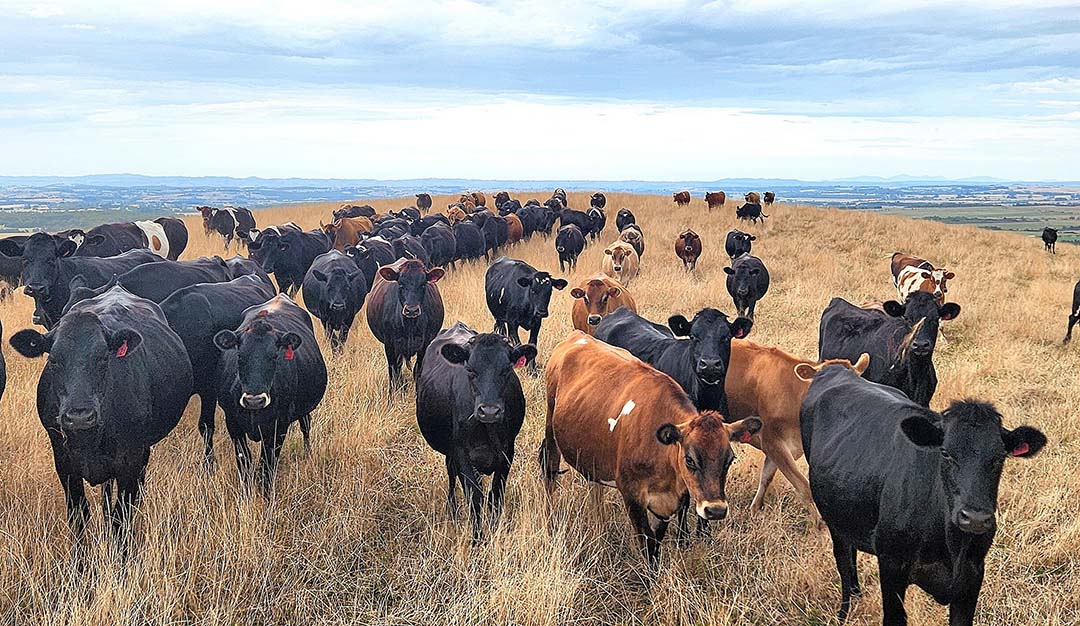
<point>262,241</point>
<point>229,222</point>
<point>518,295</point>
<point>166,237</point>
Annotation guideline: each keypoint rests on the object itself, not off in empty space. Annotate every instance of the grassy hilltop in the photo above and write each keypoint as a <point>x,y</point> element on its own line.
<point>358,532</point>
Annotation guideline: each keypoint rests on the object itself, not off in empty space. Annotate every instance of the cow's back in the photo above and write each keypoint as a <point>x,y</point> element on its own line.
<point>628,330</point>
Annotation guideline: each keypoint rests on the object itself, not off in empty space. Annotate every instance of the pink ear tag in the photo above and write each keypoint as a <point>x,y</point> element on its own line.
<point>121,352</point>
<point>1021,449</point>
<point>520,363</point>
<point>745,437</point>
<point>289,354</point>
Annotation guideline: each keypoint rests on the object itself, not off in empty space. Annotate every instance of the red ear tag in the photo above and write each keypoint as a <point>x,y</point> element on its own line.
<point>289,354</point>
<point>520,363</point>
<point>1021,449</point>
<point>745,437</point>
<point>121,352</point>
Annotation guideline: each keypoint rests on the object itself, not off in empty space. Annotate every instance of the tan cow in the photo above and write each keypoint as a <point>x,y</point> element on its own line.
<point>620,261</point>
<point>596,297</point>
<point>753,197</point>
<point>347,231</point>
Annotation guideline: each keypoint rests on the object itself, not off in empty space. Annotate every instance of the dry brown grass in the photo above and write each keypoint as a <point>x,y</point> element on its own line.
<point>358,533</point>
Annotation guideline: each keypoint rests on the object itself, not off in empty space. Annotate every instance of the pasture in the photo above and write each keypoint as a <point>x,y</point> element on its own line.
<point>358,532</point>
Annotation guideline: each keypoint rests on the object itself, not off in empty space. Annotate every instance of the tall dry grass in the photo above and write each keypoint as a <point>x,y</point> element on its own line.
<point>358,533</point>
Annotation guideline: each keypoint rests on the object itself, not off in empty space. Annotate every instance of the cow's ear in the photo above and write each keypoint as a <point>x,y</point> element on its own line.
<point>679,325</point>
<point>923,432</point>
<point>10,248</point>
<point>753,237</point>
<point>319,276</point>
<point>950,311</point>
<point>522,354</point>
<point>123,342</point>
<point>454,353</point>
<point>68,247</point>
<point>388,273</point>
<point>30,343</point>
<point>1023,442</point>
<point>729,271</point>
<point>289,341</point>
<point>577,293</point>
<point>435,274</point>
<point>741,327</point>
<point>949,275</point>
<point>893,308</point>
<point>743,430</point>
<point>226,340</point>
<point>608,251</point>
<point>668,434</point>
<point>559,283</point>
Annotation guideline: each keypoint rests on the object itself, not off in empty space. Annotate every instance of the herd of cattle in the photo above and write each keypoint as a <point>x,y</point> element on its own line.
<point>132,333</point>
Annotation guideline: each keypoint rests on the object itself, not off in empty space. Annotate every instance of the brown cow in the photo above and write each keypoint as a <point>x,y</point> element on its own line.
<point>688,249</point>
<point>596,297</point>
<point>347,231</point>
<point>753,197</point>
<point>621,423</point>
<point>715,199</point>
<point>207,212</point>
<point>681,198</point>
<point>456,213</point>
<point>620,261</point>
<point>423,202</point>
<point>770,383</point>
<point>770,197</point>
<point>479,198</point>
<point>514,229</point>
<point>501,198</point>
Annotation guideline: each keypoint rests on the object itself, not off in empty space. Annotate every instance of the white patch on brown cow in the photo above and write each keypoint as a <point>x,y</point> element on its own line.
<point>612,422</point>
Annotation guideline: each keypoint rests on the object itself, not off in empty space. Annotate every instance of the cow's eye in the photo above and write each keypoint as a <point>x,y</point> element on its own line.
<point>691,464</point>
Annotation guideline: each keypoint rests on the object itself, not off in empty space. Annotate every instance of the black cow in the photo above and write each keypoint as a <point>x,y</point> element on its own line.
<point>738,243</point>
<point>155,281</point>
<point>423,202</point>
<point>262,241</point>
<point>751,212</point>
<point>598,201</point>
<point>271,375</point>
<point>914,487</point>
<point>549,218</point>
<point>418,227</point>
<point>334,291</point>
<point>290,257</point>
<point>48,267</point>
<point>468,241</point>
<point>508,207</point>
<point>518,296</point>
<point>1050,237</point>
<point>582,220</point>
<point>11,268</point>
<point>624,218</point>
<point>239,266</point>
<point>1074,316</point>
<point>405,312</point>
<point>197,313</point>
<point>494,229</point>
<point>409,213</point>
<point>560,194</point>
<point>3,369</point>
<point>569,243</point>
<point>470,408</point>
<point>599,222</point>
<point>371,254</point>
<point>900,340</point>
<point>230,222</point>
<point>166,237</point>
<point>554,204</point>
<point>440,244</point>
<point>410,247</point>
<point>362,210</point>
<point>532,220</point>
<point>116,382</point>
<point>747,282</point>
<point>391,228</point>
<point>699,365</point>
<point>532,202</point>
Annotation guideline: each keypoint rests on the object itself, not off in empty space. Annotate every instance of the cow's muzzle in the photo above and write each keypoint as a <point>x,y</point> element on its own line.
<point>593,320</point>
<point>255,402</point>
<point>79,419</point>
<point>488,413</point>
<point>410,311</point>
<point>975,522</point>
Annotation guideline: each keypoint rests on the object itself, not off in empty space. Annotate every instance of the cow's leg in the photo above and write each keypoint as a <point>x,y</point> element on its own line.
<point>305,429</point>
<point>471,487</point>
<point>1073,319</point>
<point>243,459</point>
<point>962,610</point>
<point>228,242</point>
<point>393,366</point>
<point>768,471</point>
<point>550,457</point>
<point>108,505</point>
<point>513,334</point>
<point>646,531</point>
<point>78,511</point>
<point>207,406</point>
<point>128,491</point>
<point>682,525</point>
<point>498,489</point>
<point>268,458</point>
<point>845,566</point>
<point>894,584</point>
<point>451,487</point>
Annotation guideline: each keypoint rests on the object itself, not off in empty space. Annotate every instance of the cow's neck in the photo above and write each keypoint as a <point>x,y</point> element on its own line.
<point>965,551</point>
<point>921,378</point>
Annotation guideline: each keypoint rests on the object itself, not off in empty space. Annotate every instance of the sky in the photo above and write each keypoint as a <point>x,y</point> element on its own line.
<point>547,89</point>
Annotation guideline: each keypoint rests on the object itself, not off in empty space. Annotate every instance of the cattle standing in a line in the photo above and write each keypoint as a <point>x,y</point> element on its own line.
<point>470,408</point>
<point>596,297</point>
<point>290,257</point>
<point>624,218</point>
<point>738,243</point>
<point>197,313</point>
<point>1074,316</point>
<point>166,237</point>
<point>271,375</point>
<point>1050,237</point>
<point>769,198</point>
<point>423,202</point>
<point>634,236</point>
<point>621,423</point>
<point>911,274</point>
<point>914,487</point>
<point>715,199</point>
<point>518,295</point>
<point>751,212</point>
<point>347,231</point>
<point>620,261</point>
<point>900,339</point>
<point>229,222</point>
<point>681,198</point>
<point>116,382</point>
<point>334,291</point>
<point>353,210</point>
<point>569,243</point>
<point>747,282</point>
<point>405,312</point>
<point>48,267</point>
<point>688,249</point>
<point>155,281</point>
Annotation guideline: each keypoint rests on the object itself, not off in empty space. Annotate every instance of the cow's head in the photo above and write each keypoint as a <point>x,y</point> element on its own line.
<point>41,271</point>
<point>973,446</point>
<point>687,241</point>
<point>745,277</point>
<point>260,350</point>
<point>489,361</point>
<point>263,242</point>
<point>705,446</point>
<point>710,341</point>
<point>338,288</point>
<point>924,314</point>
<point>540,285</point>
<point>595,295</point>
<point>621,254</point>
<point>81,352</point>
<point>412,278</point>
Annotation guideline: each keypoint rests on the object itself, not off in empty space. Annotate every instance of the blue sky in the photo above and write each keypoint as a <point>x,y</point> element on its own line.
<point>660,90</point>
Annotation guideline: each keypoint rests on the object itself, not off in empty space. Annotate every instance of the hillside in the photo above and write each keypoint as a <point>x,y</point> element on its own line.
<point>358,532</point>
